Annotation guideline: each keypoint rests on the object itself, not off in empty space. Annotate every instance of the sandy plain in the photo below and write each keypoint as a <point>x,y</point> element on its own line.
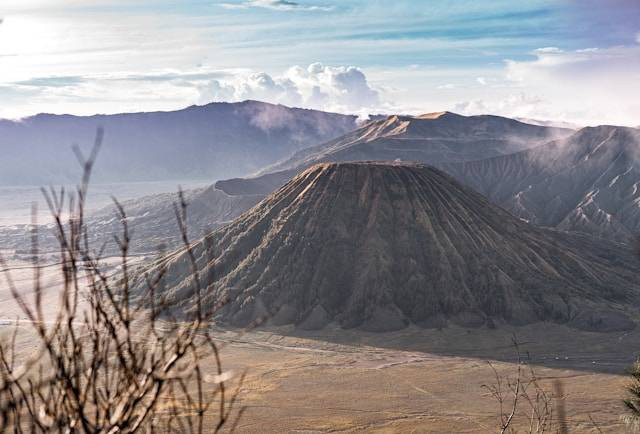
<point>414,380</point>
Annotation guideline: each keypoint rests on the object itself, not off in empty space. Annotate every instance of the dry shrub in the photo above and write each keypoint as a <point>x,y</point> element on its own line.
<point>524,404</point>
<point>110,361</point>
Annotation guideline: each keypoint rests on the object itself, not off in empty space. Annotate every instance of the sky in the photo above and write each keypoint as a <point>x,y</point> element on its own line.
<point>576,61</point>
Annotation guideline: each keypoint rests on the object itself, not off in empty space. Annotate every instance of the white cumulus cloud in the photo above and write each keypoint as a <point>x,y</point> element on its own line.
<point>343,89</point>
<point>331,88</point>
<point>519,104</point>
<point>588,86</point>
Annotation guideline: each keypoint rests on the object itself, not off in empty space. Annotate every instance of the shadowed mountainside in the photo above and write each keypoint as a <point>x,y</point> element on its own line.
<point>431,138</point>
<point>211,142</point>
<point>587,182</point>
<point>379,246</point>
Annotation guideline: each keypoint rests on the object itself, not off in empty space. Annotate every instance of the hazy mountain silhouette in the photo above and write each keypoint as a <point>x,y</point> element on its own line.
<point>153,222</point>
<point>211,142</point>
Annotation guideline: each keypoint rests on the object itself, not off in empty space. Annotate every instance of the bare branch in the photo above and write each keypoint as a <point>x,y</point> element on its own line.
<point>110,360</point>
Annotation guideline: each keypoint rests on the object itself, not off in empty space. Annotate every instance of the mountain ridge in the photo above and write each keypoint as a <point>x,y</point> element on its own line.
<point>587,182</point>
<point>210,142</point>
<point>430,139</point>
<point>552,184</point>
<point>383,245</point>
<point>501,135</point>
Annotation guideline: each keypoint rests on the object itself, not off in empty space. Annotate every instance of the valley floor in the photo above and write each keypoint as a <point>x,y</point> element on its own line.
<point>413,380</point>
<point>310,384</point>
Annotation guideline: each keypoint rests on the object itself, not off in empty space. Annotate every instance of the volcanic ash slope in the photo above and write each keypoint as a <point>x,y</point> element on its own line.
<point>382,245</point>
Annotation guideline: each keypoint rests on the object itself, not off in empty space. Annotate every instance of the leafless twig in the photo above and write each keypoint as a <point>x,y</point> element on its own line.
<point>109,360</point>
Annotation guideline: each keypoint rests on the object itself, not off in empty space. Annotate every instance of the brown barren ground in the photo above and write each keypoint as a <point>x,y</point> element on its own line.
<point>413,380</point>
<point>309,384</point>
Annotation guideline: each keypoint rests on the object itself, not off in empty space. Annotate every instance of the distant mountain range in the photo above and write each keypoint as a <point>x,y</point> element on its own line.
<point>548,123</point>
<point>380,246</point>
<point>431,138</point>
<point>587,182</point>
<point>213,141</point>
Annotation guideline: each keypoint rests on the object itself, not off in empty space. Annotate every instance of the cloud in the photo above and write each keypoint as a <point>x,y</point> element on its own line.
<point>482,81</point>
<point>342,89</point>
<point>587,86</point>
<point>278,5</point>
<point>544,50</point>
<point>638,37</point>
<point>331,88</point>
<point>520,104</point>
<point>104,93</point>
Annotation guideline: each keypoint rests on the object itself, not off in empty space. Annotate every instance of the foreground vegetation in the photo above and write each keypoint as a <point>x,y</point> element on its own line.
<point>109,361</point>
